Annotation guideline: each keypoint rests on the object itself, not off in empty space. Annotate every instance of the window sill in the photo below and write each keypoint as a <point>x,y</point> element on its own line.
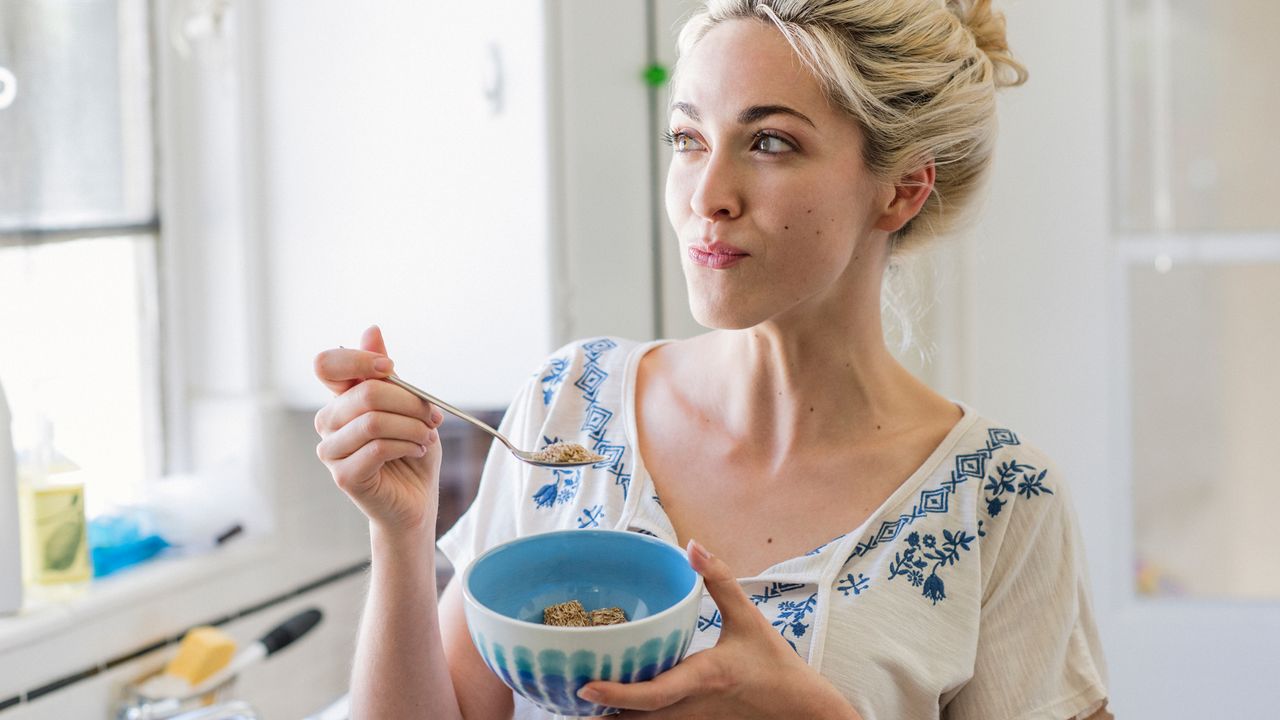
<point>130,588</point>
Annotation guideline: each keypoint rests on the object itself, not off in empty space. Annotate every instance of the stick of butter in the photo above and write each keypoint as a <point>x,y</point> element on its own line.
<point>202,652</point>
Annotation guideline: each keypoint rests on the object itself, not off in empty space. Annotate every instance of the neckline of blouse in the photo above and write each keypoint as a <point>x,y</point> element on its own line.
<point>642,484</point>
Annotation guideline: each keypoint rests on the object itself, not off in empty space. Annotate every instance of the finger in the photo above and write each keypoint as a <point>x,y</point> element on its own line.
<point>341,368</point>
<point>729,597</point>
<point>665,690</point>
<point>372,341</point>
<point>374,397</point>
<point>372,426</point>
<point>356,470</point>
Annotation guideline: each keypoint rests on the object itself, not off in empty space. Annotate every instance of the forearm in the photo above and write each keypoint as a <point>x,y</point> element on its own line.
<point>400,668</point>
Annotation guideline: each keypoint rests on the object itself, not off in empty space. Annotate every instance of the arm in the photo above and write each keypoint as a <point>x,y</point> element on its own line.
<point>399,656</point>
<point>381,446</point>
<point>401,670</point>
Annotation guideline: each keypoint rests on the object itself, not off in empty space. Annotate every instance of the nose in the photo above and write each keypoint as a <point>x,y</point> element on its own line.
<point>717,195</point>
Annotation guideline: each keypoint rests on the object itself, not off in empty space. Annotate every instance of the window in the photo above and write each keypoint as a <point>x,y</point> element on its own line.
<point>1199,270</point>
<point>79,339</point>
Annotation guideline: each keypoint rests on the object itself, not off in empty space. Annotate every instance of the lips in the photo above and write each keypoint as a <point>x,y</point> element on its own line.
<point>717,256</point>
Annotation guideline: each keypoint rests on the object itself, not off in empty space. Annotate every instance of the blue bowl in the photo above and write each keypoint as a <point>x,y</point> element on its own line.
<point>508,587</point>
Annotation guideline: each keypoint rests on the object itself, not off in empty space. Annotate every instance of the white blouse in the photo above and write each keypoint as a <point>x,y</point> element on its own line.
<point>963,596</point>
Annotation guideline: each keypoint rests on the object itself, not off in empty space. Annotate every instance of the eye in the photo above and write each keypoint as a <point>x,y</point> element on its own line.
<point>680,141</point>
<point>770,144</point>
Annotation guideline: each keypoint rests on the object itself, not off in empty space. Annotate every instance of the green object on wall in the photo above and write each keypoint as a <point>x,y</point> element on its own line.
<point>656,75</point>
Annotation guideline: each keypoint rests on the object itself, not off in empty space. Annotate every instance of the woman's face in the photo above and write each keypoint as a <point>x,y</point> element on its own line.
<point>767,190</point>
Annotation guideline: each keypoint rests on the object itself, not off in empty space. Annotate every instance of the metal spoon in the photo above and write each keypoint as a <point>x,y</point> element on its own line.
<point>524,455</point>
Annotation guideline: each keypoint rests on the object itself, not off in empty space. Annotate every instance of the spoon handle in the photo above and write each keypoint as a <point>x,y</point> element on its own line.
<point>424,395</point>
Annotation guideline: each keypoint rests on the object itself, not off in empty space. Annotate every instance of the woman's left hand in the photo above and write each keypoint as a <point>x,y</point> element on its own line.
<point>752,672</point>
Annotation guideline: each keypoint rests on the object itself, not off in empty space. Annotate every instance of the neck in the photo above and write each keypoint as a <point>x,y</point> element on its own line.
<point>812,377</point>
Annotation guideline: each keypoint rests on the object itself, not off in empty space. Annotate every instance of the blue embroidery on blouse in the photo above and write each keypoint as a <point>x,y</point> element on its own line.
<point>774,590</point>
<point>563,487</point>
<point>595,423</point>
<point>596,420</point>
<point>553,379</point>
<point>591,517</point>
<point>1031,484</point>
<point>706,623</point>
<point>791,618</point>
<point>937,500</point>
<point>855,585</point>
<point>914,560</point>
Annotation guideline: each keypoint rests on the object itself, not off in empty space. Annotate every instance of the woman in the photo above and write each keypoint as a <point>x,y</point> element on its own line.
<point>880,551</point>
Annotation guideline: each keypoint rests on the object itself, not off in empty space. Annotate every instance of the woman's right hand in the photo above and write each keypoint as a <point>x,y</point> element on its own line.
<point>379,442</point>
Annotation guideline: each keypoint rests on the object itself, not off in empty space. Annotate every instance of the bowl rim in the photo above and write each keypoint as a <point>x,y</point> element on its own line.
<point>694,592</point>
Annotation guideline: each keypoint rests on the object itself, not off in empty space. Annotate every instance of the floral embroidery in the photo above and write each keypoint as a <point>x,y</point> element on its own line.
<point>553,379</point>
<point>854,585</point>
<point>591,517</point>
<point>791,618</point>
<point>1002,482</point>
<point>912,563</point>
<point>1033,485</point>
<point>563,487</point>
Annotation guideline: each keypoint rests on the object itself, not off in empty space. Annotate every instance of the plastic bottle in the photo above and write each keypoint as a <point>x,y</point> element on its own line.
<point>54,529</point>
<point>10,550</point>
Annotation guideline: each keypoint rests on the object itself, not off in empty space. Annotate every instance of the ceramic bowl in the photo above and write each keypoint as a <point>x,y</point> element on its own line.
<point>508,587</point>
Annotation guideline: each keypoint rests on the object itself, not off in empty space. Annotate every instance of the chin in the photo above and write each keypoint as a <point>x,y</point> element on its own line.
<point>720,313</point>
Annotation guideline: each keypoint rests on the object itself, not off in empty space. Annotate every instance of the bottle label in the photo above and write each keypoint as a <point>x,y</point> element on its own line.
<point>58,547</point>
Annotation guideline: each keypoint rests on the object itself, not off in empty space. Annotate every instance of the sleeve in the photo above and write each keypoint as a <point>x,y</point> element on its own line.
<point>1038,654</point>
<point>494,514</point>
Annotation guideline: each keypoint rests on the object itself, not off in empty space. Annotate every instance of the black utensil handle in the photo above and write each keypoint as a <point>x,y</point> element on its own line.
<point>291,629</point>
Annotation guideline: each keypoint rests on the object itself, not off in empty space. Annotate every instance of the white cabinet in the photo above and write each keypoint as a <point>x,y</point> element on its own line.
<point>473,177</point>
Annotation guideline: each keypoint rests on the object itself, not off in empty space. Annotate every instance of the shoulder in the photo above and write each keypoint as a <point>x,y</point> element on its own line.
<point>604,351</point>
<point>1006,464</point>
<point>1022,498</point>
<point>580,383</point>
<point>586,364</point>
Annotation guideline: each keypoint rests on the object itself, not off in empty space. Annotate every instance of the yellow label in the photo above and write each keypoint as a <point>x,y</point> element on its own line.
<point>55,534</point>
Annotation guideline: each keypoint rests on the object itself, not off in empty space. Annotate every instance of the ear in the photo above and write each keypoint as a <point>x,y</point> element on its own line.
<point>907,198</point>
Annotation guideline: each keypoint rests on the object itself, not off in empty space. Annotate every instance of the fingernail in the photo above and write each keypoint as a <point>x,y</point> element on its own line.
<point>437,417</point>
<point>382,365</point>
<point>701,551</point>
<point>422,450</point>
<point>589,695</point>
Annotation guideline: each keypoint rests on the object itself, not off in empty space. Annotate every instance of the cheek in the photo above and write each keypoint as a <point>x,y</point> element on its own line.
<point>677,193</point>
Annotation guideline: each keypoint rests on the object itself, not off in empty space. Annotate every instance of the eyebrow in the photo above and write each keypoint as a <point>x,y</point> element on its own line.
<point>747,116</point>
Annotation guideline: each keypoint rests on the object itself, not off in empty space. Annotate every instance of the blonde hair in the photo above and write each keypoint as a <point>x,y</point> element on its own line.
<point>919,76</point>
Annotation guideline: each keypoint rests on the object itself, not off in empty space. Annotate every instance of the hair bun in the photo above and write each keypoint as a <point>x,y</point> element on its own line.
<point>988,30</point>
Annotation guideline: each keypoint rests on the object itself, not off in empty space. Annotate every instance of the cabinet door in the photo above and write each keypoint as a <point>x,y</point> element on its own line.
<point>404,167</point>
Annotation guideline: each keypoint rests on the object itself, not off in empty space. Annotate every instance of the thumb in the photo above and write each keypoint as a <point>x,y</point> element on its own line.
<point>371,340</point>
<point>730,599</point>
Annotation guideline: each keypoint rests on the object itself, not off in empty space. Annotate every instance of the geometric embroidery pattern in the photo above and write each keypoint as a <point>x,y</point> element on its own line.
<point>595,423</point>
<point>937,500</point>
